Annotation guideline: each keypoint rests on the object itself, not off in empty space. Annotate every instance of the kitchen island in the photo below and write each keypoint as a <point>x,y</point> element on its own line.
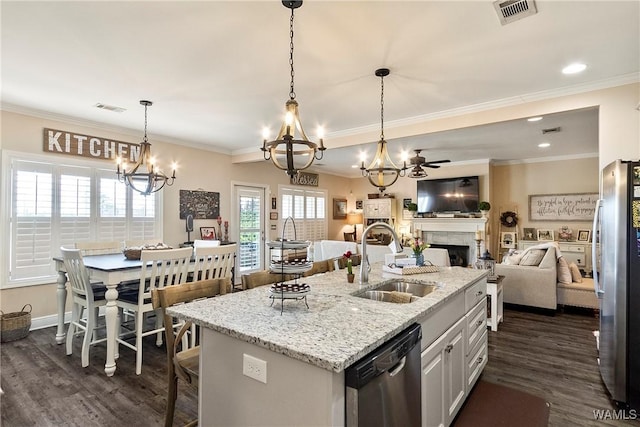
<point>306,350</point>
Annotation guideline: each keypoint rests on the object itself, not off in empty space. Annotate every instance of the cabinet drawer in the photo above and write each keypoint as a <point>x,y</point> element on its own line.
<point>474,294</point>
<point>476,361</point>
<point>476,325</point>
<point>572,248</point>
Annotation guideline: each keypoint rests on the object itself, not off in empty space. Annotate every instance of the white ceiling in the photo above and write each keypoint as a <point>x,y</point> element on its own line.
<point>218,72</point>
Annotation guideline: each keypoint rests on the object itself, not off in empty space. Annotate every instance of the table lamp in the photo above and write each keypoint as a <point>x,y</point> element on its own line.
<point>354,218</point>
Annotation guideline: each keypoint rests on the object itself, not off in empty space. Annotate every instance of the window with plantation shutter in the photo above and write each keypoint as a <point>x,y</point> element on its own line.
<point>308,210</point>
<point>50,204</point>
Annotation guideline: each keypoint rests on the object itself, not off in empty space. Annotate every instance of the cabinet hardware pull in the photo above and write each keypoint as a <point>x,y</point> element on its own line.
<point>480,360</point>
<point>480,322</point>
<point>479,293</point>
<point>448,348</point>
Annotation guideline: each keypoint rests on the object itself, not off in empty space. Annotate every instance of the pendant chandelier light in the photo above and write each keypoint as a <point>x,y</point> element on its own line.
<point>144,177</point>
<point>298,151</point>
<point>382,172</point>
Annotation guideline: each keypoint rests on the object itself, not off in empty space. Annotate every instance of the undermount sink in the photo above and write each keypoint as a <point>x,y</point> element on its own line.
<point>413,288</point>
<point>387,296</point>
<point>389,291</point>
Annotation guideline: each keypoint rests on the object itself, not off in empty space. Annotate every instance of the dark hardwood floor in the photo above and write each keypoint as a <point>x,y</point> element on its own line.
<point>553,357</point>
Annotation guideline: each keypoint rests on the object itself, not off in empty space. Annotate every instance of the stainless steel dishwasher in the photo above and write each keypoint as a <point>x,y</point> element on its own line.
<point>383,388</point>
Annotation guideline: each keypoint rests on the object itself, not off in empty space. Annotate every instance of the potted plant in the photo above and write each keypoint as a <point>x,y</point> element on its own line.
<point>484,207</point>
<point>350,275</point>
<point>413,208</point>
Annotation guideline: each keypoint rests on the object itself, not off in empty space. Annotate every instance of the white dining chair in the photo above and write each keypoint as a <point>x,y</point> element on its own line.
<point>164,267</point>
<point>86,298</point>
<point>215,262</point>
<point>99,248</point>
<point>198,243</point>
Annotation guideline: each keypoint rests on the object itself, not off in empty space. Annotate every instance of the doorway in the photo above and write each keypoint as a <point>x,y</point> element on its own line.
<point>249,215</point>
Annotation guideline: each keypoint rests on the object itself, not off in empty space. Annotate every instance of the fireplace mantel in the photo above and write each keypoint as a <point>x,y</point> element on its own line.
<point>461,225</point>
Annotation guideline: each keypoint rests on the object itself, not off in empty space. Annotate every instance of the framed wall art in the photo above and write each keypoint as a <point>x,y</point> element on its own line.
<point>508,239</point>
<point>562,207</point>
<point>584,235</point>
<point>529,234</point>
<point>208,233</point>
<point>339,208</point>
<point>545,235</point>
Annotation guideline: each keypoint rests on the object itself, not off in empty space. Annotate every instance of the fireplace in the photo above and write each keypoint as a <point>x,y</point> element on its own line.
<point>458,254</point>
<point>457,235</point>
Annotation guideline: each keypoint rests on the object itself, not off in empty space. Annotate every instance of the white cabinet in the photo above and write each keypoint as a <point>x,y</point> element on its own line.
<point>453,356</point>
<point>379,210</point>
<point>443,377</point>
<point>576,252</point>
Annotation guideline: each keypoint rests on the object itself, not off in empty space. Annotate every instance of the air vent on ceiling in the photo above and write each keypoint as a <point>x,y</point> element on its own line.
<point>110,108</point>
<point>512,10</point>
<point>551,130</point>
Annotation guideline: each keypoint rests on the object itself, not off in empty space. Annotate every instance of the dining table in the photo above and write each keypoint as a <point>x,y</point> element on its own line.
<point>111,270</point>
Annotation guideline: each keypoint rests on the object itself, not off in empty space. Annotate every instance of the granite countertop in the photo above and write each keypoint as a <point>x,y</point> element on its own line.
<point>338,328</point>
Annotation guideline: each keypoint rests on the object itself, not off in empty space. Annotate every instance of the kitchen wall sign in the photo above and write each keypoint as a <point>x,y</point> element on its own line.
<point>94,147</point>
<point>562,207</point>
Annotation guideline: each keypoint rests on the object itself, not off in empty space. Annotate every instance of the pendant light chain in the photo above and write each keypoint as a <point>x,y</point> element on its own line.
<point>145,123</point>
<point>382,107</point>
<point>292,93</point>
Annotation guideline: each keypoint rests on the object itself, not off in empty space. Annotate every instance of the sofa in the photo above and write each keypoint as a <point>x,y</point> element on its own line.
<point>531,285</point>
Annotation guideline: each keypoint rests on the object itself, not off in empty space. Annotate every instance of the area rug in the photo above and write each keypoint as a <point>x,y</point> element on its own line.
<point>493,405</point>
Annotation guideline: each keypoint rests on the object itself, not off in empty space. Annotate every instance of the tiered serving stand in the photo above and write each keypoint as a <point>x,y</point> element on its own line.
<point>294,266</point>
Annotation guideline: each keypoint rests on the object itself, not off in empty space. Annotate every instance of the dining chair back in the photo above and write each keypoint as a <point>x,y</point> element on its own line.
<point>320,267</point>
<point>214,262</point>
<point>99,248</point>
<point>182,358</point>
<point>198,243</point>
<point>164,267</point>
<point>141,242</point>
<point>86,299</point>
<point>261,278</point>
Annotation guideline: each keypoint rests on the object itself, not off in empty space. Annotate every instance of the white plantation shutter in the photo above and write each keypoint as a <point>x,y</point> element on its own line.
<point>74,223</point>
<point>31,231</point>
<point>53,205</point>
<point>143,216</point>
<point>307,208</point>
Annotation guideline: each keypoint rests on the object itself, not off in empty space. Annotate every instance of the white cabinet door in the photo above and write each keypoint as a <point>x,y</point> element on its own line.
<point>433,384</point>
<point>455,364</point>
<point>444,377</point>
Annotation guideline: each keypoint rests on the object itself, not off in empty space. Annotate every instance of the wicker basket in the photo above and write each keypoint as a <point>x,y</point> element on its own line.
<point>132,253</point>
<point>15,326</point>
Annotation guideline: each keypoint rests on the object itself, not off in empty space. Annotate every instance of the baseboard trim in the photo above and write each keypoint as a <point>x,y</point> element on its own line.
<point>48,321</point>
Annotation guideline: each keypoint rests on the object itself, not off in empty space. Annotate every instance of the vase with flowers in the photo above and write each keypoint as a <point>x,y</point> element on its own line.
<point>417,246</point>
<point>349,261</point>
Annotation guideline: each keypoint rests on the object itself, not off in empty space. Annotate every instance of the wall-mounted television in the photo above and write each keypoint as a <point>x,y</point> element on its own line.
<point>448,195</point>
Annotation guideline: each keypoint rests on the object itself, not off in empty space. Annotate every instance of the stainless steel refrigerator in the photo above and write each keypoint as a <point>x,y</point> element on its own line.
<point>616,227</point>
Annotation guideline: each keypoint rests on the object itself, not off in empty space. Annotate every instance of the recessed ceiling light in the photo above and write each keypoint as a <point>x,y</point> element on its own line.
<point>355,166</point>
<point>534,119</point>
<point>544,145</point>
<point>574,68</point>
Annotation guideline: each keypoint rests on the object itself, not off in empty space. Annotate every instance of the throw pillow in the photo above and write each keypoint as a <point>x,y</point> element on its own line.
<point>533,257</point>
<point>513,259</point>
<point>576,276</point>
<point>564,272</point>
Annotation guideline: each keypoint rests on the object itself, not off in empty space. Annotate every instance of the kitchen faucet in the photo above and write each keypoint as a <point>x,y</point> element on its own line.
<point>365,266</point>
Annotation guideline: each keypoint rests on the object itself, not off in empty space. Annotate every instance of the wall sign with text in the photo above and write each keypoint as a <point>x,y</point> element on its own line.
<point>562,207</point>
<point>305,178</point>
<point>200,204</point>
<point>77,144</point>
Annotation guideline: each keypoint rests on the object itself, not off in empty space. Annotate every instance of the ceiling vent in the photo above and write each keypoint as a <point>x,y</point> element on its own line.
<point>551,130</point>
<point>110,108</point>
<point>512,10</point>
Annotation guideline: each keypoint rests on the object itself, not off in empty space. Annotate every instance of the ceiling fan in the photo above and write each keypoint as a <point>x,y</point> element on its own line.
<point>419,162</point>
